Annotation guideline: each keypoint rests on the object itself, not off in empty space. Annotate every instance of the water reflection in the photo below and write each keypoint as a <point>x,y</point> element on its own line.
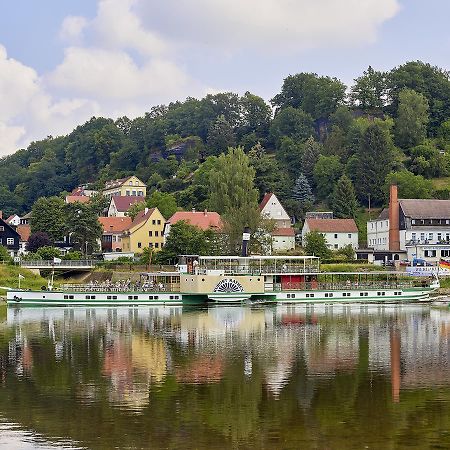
<point>310,377</point>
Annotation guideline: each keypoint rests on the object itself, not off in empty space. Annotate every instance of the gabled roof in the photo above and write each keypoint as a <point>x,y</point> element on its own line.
<point>77,198</point>
<point>201,219</point>
<point>11,217</point>
<point>283,232</point>
<point>332,225</point>
<point>142,216</point>
<point>384,214</point>
<point>123,203</point>
<point>114,224</point>
<point>425,209</point>
<point>265,200</point>
<point>120,182</point>
<point>7,225</point>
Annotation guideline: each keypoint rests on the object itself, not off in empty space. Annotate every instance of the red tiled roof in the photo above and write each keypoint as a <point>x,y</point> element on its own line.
<point>283,232</point>
<point>265,200</point>
<point>200,219</point>
<point>24,232</point>
<point>77,198</point>
<point>114,224</point>
<point>123,203</point>
<point>142,216</point>
<point>332,225</point>
<point>8,220</point>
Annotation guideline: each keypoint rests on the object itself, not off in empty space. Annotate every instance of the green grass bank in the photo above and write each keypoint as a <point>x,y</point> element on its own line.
<point>9,277</point>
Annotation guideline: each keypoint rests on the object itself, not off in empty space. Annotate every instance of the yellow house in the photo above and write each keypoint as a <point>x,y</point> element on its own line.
<point>130,187</point>
<point>146,230</point>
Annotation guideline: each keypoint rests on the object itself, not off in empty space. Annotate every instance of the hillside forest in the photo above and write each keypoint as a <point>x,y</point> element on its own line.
<point>317,144</point>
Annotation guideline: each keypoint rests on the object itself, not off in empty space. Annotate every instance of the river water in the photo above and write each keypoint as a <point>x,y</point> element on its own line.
<point>227,377</point>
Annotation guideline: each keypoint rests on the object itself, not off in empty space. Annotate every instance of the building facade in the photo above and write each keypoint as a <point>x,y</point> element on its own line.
<point>419,227</point>
<point>119,205</point>
<point>125,187</point>
<point>146,231</point>
<point>9,238</point>
<point>113,228</point>
<point>201,219</point>
<point>338,233</point>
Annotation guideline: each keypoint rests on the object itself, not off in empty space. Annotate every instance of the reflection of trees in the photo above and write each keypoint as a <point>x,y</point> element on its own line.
<point>212,391</point>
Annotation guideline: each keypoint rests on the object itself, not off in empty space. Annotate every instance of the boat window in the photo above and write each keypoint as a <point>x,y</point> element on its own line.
<point>108,297</point>
<point>171,297</point>
<point>130,297</point>
<point>289,296</point>
<point>293,296</point>
<point>383,293</point>
<point>361,294</point>
<point>176,296</point>
<point>135,297</point>
<point>114,297</point>
<point>70,297</point>
<point>150,297</point>
<point>156,297</point>
<point>378,293</point>
<point>66,297</point>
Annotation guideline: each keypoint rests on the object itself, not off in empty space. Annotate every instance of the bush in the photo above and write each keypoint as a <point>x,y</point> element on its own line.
<point>74,255</point>
<point>4,255</point>
<point>48,253</point>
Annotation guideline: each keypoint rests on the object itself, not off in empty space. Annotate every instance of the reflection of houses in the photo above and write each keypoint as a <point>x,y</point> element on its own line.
<point>283,237</point>
<point>113,228</point>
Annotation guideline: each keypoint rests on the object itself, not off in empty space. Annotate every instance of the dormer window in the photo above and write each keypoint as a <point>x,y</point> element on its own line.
<point>131,183</point>
<point>413,222</point>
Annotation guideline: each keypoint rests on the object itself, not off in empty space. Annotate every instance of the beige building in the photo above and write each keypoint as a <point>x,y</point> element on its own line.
<point>146,231</point>
<point>129,186</point>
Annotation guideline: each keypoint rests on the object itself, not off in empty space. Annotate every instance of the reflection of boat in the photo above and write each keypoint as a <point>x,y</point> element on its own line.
<point>232,279</point>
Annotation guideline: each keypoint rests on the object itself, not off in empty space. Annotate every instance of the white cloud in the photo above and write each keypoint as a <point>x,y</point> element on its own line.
<point>9,138</point>
<point>72,28</point>
<point>276,24</point>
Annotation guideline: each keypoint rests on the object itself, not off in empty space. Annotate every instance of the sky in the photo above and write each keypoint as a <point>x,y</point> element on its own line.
<point>62,62</point>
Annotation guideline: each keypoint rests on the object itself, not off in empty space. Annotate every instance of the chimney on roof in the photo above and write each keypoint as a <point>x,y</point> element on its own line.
<point>394,219</point>
<point>145,211</point>
<point>193,209</point>
<point>205,212</point>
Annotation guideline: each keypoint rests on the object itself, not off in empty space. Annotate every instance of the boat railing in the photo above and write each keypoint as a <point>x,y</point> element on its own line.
<point>133,287</point>
<point>314,286</point>
<point>259,271</point>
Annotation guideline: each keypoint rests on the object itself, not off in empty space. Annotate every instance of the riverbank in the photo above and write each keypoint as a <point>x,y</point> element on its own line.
<point>9,278</point>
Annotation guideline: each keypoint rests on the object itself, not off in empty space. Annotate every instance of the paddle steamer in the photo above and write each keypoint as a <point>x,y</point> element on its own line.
<point>232,279</point>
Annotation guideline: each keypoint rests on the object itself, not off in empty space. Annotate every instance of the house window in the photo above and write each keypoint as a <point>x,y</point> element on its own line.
<point>156,233</point>
<point>430,253</point>
<point>349,235</point>
<point>159,222</point>
<point>335,236</point>
<point>430,236</point>
<point>439,236</point>
<point>422,236</point>
<point>445,253</point>
<point>134,194</point>
<point>131,183</point>
<point>10,241</point>
<point>336,245</point>
<point>153,222</point>
<point>128,193</point>
<point>2,228</point>
<point>447,236</point>
<point>413,236</point>
<point>139,245</point>
<point>447,221</point>
<point>150,233</point>
<point>136,183</point>
<point>156,245</point>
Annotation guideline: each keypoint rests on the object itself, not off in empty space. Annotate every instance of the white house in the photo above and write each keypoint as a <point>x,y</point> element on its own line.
<point>283,237</point>
<point>119,205</point>
<point>419,227</point>
<point>13,220</point>
<point>338,232</point>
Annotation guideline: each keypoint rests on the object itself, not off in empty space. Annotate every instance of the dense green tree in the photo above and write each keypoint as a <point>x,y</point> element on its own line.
<point>233,195</point>
<point>47,253</point>
<point>293,123</point>
<point>409,185</point>
<point>220,136</point>
<point>316,244</point>
<point>335,143</point>
<point>256,116</point>
<point>165,202</point>
<point>342,117</point>
<point>302,192</point>
<point>327,171</point>
<point>48,215</point>
<point>317,96</point>
<point>412,119</point>
<point>311,153</point>
<point>375,160</point>
<point>83,226</point>
<point>344,202</point>
<point>428,161</point>
<point>370,90</point>
<point>430,81</point>
<point>186,239</point>
<point>290,155</point>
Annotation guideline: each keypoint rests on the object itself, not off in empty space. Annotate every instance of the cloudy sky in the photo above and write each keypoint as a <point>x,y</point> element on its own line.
<point>62,62</point>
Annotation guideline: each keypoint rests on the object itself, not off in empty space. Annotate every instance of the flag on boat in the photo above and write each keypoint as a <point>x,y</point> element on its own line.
<point>21,277</point>
<point>444,264</point>
<point>57,260</point>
